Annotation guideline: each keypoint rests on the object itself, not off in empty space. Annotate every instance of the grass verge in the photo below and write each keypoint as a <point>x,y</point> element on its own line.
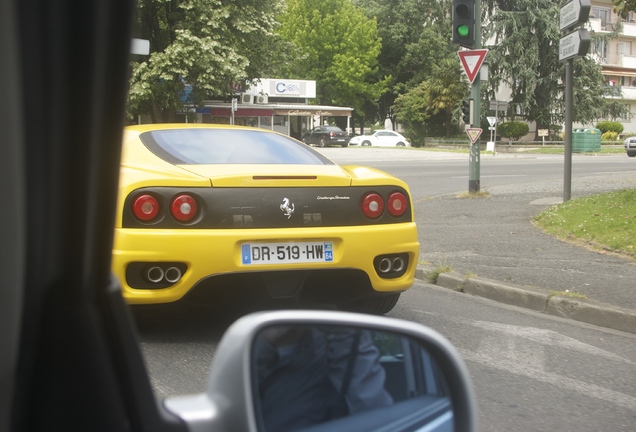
<point>571,294</point>
<point>560,150</point>
<point>439,269</point>
<point>480,194</point>
<point>605,222</point>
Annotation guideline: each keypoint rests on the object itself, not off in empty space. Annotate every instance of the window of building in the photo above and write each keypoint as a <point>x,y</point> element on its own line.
<point>599,48</point>
<point>602,13</point>
<point>246,121</point>
<point>265,122</point>
<point>624,48</point>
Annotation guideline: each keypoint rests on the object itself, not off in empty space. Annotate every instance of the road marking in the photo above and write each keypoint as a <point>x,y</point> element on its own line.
<point>549,337</point>
<point>504,349</point>
<point>521,368</point>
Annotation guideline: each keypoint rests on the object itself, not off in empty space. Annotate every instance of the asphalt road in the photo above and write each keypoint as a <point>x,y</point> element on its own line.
<point>493,237</point>
<point>532,372</point>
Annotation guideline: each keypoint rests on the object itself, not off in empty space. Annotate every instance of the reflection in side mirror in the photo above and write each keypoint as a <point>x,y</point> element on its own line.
<point>317,371</point>
<point>306,377</point>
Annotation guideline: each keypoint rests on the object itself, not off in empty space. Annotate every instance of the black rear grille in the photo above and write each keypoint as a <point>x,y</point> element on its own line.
<point>233,208</point>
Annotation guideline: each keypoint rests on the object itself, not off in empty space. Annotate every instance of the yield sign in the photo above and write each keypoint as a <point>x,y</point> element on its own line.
<point>473,134</point>
<point>471,61</point>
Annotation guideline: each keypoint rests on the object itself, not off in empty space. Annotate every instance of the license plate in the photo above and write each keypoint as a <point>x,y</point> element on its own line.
<point>287,252</point>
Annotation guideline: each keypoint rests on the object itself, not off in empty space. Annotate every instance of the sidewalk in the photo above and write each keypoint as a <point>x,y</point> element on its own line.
<point>495,251</point>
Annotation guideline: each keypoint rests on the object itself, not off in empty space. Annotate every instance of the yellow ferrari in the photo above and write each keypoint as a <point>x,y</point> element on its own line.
<point>217,209</point>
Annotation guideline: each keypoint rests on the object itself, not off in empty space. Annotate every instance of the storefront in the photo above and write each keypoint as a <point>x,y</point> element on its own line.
<point>279,105</point>
<point>292,120</point>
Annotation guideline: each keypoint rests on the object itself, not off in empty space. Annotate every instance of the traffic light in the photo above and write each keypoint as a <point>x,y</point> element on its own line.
<point>466,111</point>
<point>464,23</point>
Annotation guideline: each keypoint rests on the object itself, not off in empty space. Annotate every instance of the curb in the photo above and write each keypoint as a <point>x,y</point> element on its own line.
<point>536,299</point>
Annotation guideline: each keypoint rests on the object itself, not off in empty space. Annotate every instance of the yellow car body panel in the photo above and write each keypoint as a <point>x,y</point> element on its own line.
<point>351,250</point>
<point>207,252</point>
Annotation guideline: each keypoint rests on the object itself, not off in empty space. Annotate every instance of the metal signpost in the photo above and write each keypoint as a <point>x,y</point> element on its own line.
<point>466,22</point>
<point>492,121</point>
<point>571,46</point>
<point>576,44</point>
<point>497,106</point>
<point>233,109</point>
<point>573,13</point>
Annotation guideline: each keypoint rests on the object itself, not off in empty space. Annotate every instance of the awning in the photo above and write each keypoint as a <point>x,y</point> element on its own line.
<point>263,110</point>
<point>618,72</point>
<point>243,112</point>
<point>309,111</point>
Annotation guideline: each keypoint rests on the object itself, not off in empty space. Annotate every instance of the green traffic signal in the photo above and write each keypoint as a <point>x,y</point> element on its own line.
<point>464,22</point>
<point>463,30</point>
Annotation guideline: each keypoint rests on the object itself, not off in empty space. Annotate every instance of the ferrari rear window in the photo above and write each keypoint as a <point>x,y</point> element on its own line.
<point>199,146</point>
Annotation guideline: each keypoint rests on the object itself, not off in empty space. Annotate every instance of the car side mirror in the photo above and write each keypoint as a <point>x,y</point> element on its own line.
<point>317,371</point>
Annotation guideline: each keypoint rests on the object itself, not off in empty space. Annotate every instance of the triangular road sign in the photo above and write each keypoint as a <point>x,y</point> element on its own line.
<point>473,134</point>
<point>471,61</point>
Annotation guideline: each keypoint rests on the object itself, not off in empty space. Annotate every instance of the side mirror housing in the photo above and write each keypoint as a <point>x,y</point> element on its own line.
<point>319,371</point>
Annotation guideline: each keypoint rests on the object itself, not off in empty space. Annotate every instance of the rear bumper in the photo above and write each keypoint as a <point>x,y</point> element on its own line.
<point>206,254</point>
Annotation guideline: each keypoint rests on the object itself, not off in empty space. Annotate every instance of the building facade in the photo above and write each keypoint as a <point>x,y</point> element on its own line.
<point>617,57</point>
<point>277,104</point>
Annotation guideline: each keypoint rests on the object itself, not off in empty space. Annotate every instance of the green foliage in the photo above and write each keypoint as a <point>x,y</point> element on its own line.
<point>523,35</point>
<point>610,126</point>
<point>436,98</point>
<point>208,44</point>
<point>623,7</point>
<point>513,130</point>
<point>339,48</point>
<point>416,35</point>
<point>609,136</point>
<point>606,221</point>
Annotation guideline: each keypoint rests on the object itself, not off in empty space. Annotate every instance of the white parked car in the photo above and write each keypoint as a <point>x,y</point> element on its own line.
<point>630,146</point>
<point>381,138</point>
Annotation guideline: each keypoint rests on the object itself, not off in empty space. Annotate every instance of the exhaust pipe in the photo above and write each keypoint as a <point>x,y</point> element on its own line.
<point>398,264</point>
<point>173,274</point>
<point>384,266</point>
<point>155,274</point>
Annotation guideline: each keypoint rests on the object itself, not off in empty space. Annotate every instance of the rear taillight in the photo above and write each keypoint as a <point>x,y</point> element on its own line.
<point>397,204</point>
<point>184,208</point>
<point>332,134</point>
<point>146,208</point>
<point>372,205</point>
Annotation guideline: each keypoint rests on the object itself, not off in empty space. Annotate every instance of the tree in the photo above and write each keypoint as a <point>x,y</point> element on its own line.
<point>513,130</point>
<point>415,36</point>
<point>209,45</point>
<point>524,56</point>
<point>438,97</point>
<point>624,7</point>
<point>338,48</point>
